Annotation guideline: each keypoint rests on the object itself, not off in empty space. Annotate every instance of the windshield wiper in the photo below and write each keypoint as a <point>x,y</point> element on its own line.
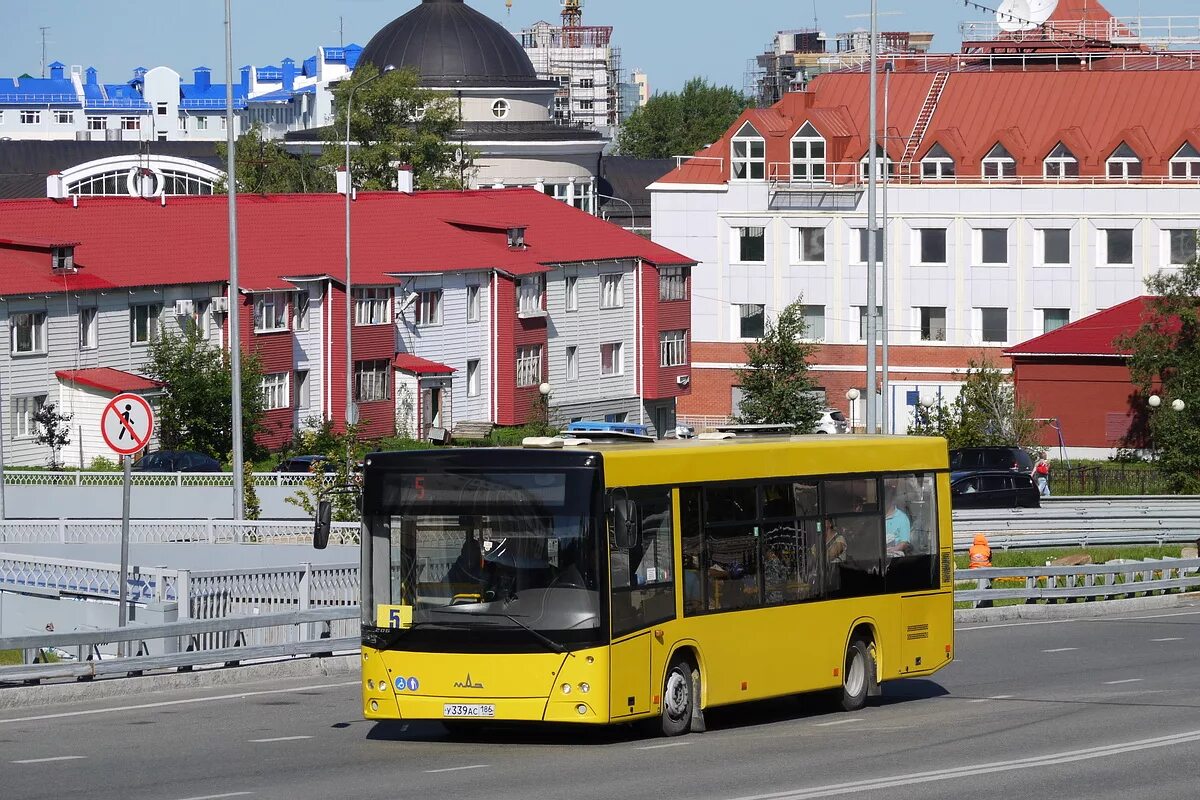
<point>395,636</point>
<point>546,640</point>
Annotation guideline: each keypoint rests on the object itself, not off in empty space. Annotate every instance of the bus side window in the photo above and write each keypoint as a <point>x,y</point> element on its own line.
<point>689,526</point>
<point>643,590</point>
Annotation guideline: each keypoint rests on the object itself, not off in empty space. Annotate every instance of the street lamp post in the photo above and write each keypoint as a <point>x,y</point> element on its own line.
<point>1155,402</point>
<point>351,409</point>
<point>872,220</point>
<point>235,341</point>
<point>852,395</point>
<point>632,216</point>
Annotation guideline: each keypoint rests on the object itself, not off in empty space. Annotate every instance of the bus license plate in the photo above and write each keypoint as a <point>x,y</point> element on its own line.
<point>477,710</point>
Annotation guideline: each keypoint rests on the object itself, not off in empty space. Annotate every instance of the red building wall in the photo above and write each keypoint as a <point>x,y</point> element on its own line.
<point>375,343</point>
<point>660,383</point>
<point>275,352</point>
<point>1093,399</point>
<point>515,404</point>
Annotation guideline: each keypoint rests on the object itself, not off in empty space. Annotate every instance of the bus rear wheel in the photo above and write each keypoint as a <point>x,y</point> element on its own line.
<point>679,698</point>
<point>857,674</point>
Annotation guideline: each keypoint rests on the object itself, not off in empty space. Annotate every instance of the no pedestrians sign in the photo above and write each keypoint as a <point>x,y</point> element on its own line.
<point>127,423</point>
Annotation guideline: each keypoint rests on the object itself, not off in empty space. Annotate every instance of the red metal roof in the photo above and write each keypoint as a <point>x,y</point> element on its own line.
<point>107,379</point>
<point>1091,336</point>
<point>420,366</point>
<point>130,242</point>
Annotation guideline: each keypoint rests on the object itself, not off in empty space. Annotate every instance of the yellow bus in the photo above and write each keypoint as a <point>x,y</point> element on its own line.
<point>610,583</point>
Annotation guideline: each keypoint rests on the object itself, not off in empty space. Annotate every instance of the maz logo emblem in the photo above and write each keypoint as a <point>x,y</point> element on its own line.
<point>468,684</point>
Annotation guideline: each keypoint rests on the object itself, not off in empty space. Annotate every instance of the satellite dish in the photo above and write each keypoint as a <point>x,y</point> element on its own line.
<point>1040,10</point>
<point>1013,16</point>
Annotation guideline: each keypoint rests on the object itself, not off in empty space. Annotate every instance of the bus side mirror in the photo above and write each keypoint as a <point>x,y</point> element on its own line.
<point>625,523</point>
<point>321,529</point>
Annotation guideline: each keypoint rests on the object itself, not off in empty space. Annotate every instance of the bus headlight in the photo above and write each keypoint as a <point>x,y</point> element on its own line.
<point>585,688</point>
<point>581,708</point>
<point>371,684</point>
<point>374,705</point>
<point>566,688</point>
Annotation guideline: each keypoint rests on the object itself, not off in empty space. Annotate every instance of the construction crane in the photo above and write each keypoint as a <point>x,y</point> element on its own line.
<point>572,13</point>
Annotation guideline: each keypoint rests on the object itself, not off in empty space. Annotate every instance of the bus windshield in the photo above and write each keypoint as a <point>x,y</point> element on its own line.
<point>504,557</point>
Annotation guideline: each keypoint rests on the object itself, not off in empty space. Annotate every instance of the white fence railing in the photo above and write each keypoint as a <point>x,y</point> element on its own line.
<point>1085,582</point>
<point>88,478</point>
<point>170,531</point>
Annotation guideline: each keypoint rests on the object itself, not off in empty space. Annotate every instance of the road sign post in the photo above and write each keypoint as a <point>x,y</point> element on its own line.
<point>126,425</point>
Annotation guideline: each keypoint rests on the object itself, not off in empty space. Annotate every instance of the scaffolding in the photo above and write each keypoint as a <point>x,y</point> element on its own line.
<point>587,68</point>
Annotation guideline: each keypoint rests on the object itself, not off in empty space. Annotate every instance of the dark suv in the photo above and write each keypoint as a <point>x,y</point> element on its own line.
<point>971,459</point>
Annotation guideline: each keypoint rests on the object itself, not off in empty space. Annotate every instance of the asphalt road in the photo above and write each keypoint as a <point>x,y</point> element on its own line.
<point>1105,708</point>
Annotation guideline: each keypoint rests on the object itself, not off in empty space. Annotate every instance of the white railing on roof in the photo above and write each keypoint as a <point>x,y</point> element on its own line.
<point>1151,31</point>
<point>710,161</point>
<point>35,98</point>
<point>1060,61</point>
<point>848,176</point>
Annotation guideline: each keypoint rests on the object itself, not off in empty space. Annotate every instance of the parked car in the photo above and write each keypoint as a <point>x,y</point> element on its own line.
<point>177,461</point>
<point>993,489</point>
<point>831,421</point>
<point>309,463</point>
<point>991,458</point>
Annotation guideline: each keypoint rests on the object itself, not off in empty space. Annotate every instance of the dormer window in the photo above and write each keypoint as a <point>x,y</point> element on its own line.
<point>1186,163</point>
<point>1124,164</point>
<point>808,155</point>
<point>749,155</point>
<point>1061,164</point>
<point>882,162</point>
<point>999,164</point>
<point>516,238</point>
<point>937,164</point>
<point>62,259</point>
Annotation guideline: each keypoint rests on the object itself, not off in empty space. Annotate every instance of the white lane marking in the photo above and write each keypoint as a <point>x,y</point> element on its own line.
<point>45,760</point>
<point>280,739</point>
<point>661,746</point>
<point>993,697</point>
<point>838,722</point>
<point>1148,616</point>
<point>1061,650</point>
<point>1127,680</point>
<point>456,769</point>
<point>974,770</point>
<point>1074,619</point>
<point>190,701</point>
<point>1169,639</point>
<point>219,796</point>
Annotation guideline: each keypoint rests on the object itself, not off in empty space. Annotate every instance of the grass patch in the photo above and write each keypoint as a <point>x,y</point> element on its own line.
<point>1038,558</point>
<point>10,658</point>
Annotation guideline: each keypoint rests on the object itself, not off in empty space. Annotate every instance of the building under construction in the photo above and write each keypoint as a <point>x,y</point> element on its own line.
<point>586,66</point>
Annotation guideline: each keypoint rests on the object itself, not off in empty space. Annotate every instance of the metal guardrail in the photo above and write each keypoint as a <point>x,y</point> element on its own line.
<point>170,531</point>
<point>1086,582</point>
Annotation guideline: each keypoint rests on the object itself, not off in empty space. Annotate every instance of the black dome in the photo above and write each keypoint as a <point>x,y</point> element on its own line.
<point>449,42</point>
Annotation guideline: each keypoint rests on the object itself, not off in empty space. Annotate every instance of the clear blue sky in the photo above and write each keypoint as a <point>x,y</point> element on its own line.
<point>671,39</point>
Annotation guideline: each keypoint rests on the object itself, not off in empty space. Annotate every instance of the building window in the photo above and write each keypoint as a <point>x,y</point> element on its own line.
<point>274,389</point>
<point>200,316</point>
<point>201,123</point>
<point>571,292</point>
<point>752,321</point>
<point>814,322</point>
<point>472,303</point>
<point>999,164</point>
<point>994,324</point>
<point>1118,246</point>
<point>270,312</point>
<point>672,283</point>
<point>612,358</point>
<point>500,109</point>
<point>933,245</point>
<point>862,323</point>
<point>182,122</point>
<point>300,313</point>
<point>161,136</point>
<point>529,365</point>
<point>937,164</point>
<point>303,389</point>
<point>672,347</point>
<point>531,293</point>
<point>1183,246</point>
<point>1061,164</point>
<point>29,117</point>
<point>372,306</point>
<point>882,162</point>
<point>371,381</point>
<point>473,383</point>
<point>749,155</point>
<point>572,363</point>
<point>87,328</point>
<point>131,123</point>
<point>1055,318</point>
<point>95,123</point>
<point>64,117</point>
<point>812,245</point>
<point>1124,164</point>
<point>587,83</point>
<point>933,324</point>
<point>993,245</point>
<point>28,332</point>
<point>808,155</point>
<point>143,323</point>
<point>1186,163</point>
<point>612,291</point>
<point>1056,246</point>
<point>586,105</point>
<point>429,308</point>
<point>864,241</point>
<point>161,109</point>
<point>752,244</point>
<point>23,411</point>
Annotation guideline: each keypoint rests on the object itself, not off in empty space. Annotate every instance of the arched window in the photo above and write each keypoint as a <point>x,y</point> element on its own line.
<point>1124,164</point>
<point>937,164</point>
<point>881,160</point>
<point>1060,164</point>
<point>999,164</point>
<point>499,109</point>
<point>808,155</point>
<point>749,155</point>
<point>1186,163</point>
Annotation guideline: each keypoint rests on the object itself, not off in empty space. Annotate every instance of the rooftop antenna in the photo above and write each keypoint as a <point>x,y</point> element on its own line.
<point>43,29</point>
<point>816,19</point>
<point>341,31</point>
<point>1041,10</point>
<point>1014,16</point>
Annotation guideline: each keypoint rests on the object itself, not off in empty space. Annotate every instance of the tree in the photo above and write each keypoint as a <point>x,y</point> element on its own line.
<point>195,412</point>
<point>265,167</point>
<point>395,121</point>
<point>776,387</point>
<point>985,413</point>
<point>673,124</point>
<point>52,431</point>
<point>342,484</point>
<point>1165,360</point>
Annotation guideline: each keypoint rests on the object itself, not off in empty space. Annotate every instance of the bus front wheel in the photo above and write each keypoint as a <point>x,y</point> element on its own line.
<point>679,698</point>
<point>857,674</point>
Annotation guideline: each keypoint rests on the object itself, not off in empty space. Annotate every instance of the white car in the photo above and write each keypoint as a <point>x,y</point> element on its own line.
<point>832,421</point>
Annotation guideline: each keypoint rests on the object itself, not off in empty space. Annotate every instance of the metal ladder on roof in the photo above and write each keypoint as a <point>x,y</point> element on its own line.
<point>923,119</point>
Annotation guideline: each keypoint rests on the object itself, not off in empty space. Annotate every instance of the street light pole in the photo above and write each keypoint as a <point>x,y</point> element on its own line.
<point>632,216</point>
<point>886,389</point>
<point>235,334</point>
<point>872,166</point>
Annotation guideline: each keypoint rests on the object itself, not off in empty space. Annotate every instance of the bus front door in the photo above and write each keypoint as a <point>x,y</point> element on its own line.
<point>629,676</point>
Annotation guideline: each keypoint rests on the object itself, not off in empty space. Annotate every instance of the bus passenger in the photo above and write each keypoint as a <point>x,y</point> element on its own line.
<point>897,526</point>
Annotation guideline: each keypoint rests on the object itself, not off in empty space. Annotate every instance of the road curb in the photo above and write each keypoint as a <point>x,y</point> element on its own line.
<point>1074,610</point>
<point>200,678</point>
